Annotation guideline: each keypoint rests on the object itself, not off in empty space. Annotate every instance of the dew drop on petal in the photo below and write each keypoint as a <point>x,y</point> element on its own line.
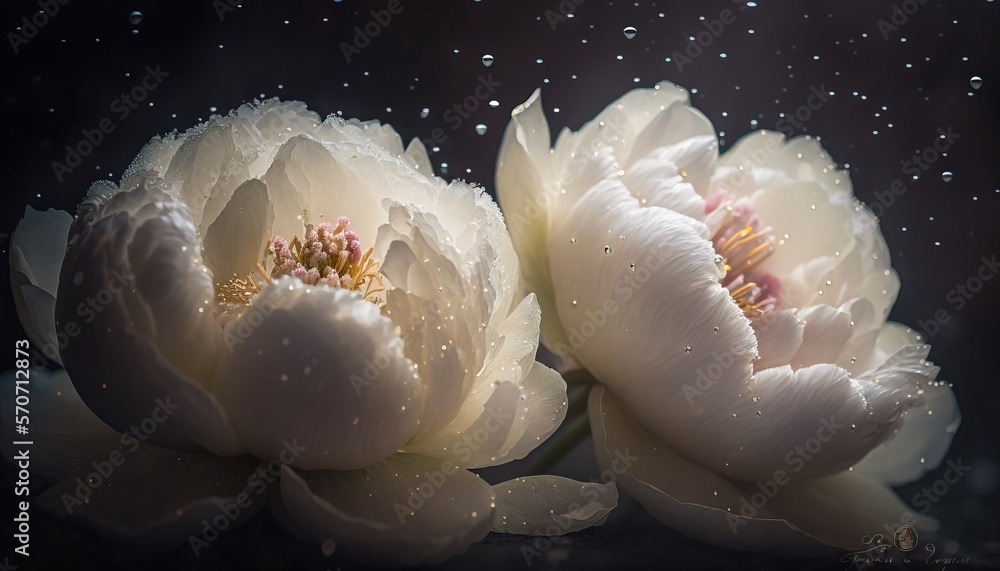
<point>629,32</point>
<point>976,82</point>
<point>607,250</point>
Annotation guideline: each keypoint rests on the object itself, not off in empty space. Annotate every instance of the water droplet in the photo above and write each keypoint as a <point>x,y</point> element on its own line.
<point>976,82</point>
<point>947,176</point>
<point>631,266</point>
<point>494,103</point>
<point>687,348</point>
<point>77,278</point>
<point>716,330</point>
<point>480,129</point>
<point>424,113</point>
<point>607,250</point>
<point>487,60</point>
<point>734,416</point>
<point>356,421</point>
<point>629,32</point>
<point>136,19</point>
<point>759,413</point>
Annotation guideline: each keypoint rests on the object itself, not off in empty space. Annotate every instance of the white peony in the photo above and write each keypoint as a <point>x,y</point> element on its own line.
<point>218,310</point>
<point>733,309</point>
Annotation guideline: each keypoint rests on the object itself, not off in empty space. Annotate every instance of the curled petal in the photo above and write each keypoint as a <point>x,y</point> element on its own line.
<point>678,492</point>
<point>551,505</point>
<point>318,368</point>
<point>135,286</point>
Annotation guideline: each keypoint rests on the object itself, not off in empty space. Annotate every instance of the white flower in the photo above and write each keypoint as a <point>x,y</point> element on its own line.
<point>217,307</point>
<point>734,309</point>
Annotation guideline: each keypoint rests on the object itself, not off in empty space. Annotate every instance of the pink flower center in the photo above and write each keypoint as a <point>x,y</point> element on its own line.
<point>742,242</point>
<point>328,255</point>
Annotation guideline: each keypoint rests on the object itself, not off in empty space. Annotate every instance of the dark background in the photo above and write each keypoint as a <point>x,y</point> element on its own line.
<point>890,98</point>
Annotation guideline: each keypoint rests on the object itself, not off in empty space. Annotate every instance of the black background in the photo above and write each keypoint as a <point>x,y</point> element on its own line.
<point>66,77</point>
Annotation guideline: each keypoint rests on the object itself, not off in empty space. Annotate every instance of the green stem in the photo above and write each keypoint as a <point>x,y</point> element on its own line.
<point>567,441</point>
<point>575,428</point>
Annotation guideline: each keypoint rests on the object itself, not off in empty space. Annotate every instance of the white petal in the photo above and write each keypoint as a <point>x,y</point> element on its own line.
<point>827,419</point>
<point>842,510</point>
<point>405,510</point>
<point>142,342</point>
<point>65,433</point>
<point>235,242</point>
<point>824,336</point>
<point>158,497</point>
<point>657,180</point>
<point>306,176</point>
<point>322,367</point>
<point>525,191</point>
<point>815,228</point>
<point>688,139</point>
<point>678,493</point>
<point>658,335</point>
<point>767,158</point>
<point>551,505</point>
<point>37,248</point>
<point>920,443</point>
<point>779,336</point>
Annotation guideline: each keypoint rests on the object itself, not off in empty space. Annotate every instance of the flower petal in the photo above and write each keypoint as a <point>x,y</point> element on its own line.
<point>235,242</point>
<point>526,199</point>
<point>405,510</point>
<point>683,136</point>
<point>157,497</point>
<point>139,279</point>
<point>551,505</point>
<point>679,493</point>
<point>920,443</point>
<point>779,336</point>
<point>842,510</point>
<point>37,248</point>
<point>318,365</point>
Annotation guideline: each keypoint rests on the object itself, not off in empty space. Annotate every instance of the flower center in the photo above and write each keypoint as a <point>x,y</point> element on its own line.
<point>741,244</point>
<point>327,255</point>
